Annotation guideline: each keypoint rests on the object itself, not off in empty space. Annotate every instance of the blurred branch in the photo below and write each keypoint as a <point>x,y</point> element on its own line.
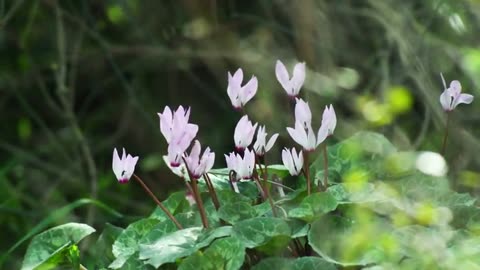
<point>15,6</point>
<point>66,98</point>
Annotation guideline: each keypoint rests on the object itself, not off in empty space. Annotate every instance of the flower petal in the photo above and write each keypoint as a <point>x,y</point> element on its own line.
<point>249,90</point>
<point>271,142</point>
<point>298,77</point>
<point>283,77</point>
<point>445,101</point>
<point>463,98</point>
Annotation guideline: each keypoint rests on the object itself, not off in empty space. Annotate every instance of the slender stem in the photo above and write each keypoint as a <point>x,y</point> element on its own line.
<point>199,201</point>
<point>211,190</point>
<point>306,171</point>
<point>164,209</point>
<point>325,167</point>
<point>231,177</point>
<point>196,195</point>
<point>259,186</point>
<point>265,186</point>
<point>444,146</point>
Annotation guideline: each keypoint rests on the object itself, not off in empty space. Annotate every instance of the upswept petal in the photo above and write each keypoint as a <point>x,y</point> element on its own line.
<point>287,160</point>
<point>298,78</point>
<point>271,142</point>
<point>166,123</point>
<point>464,98</point>
<point>123,167</point>
<point>283,77</point>
<point>249,90</point>
<point>445,100</point>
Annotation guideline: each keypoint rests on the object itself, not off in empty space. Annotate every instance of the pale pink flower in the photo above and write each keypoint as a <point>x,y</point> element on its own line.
<point>291,85</point>
<point>329,122</point>
<point>243,167</point>
<point>199,166</point>
<point>244,132</point>
<point>261,146</point>
<point>177,132</point>
<point>123,167</point>
<point>292,161</point>
<point>239,95</point>
<point>452,96</point>
<point>303,136</point>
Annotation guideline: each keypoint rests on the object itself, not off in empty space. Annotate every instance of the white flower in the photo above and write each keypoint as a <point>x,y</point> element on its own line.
<point>261,146</point>
<point>123,167</point>
<point>303,113</point>
<point>239,95</point>
<point>291,85</point>
<point>452,96</point>
<point>292,161</point>
<point>329,122</point>
<point>199,166</point>
<point>304,137</point>
<point>244,132</point>
<point>243,167</point>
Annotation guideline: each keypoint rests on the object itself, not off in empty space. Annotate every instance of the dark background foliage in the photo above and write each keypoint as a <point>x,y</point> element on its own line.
<point>81,77</point>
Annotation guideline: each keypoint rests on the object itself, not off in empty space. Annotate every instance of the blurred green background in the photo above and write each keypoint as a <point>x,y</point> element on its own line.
<point>79,78</point>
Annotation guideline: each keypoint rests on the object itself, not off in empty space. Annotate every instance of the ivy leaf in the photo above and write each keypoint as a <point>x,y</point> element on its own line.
<point>178,244</point>
<point>270,234</point>
<point>314,206</point>
<point>304,263</point>
<point>58,240</point>
<point>127,242</point>
<point>236,211</point>
<point>104,245</point>
<point>226,253</point>
<point>278,169</point>
<point>175,203</point>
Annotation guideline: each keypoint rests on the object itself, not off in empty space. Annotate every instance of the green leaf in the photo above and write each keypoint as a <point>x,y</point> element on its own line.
<point>104,245</point>
<point>225,253</point>
<point>314,206</point>
<point>236,211</point>
<point>54,241</point>
<point>278,169</point>
<point>264,232</point>
<point>176,203</point>
<point>304,263</point>
<point>179,244</point>
<point>347,241</point>
<point>127,242</point>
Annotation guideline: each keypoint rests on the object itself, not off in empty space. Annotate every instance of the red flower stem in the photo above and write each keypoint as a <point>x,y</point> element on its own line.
<point>211,190</point>
<point>164,209</point>
<point>196,195</point>
<point>444,146</point>
<point>306,171</point>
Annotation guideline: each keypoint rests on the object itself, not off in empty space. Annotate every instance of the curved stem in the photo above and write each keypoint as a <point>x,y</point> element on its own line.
<point>164,209</point>
<point>265,185</point>
<point>196,195</point>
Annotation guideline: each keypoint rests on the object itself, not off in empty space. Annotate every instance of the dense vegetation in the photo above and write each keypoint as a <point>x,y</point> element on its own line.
<point>81,77</point>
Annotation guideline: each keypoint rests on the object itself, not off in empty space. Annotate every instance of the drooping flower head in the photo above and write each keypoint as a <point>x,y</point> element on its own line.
<point>452,96</point>
<point>261,146</point>
<point>329,122</point>
<point>244,132</point>
<point>177,132</point>
<point>123,167</point>
<point>291,85</point>
<point>292,161</point>
<point>199,166</point>
<point>243,167</point>
<point>239,95</point>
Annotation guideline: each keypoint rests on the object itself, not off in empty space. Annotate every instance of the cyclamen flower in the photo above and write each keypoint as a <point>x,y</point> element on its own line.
<point>123,167</point>
<point>199,166</point>
<point>239,95</point>
<point>291,85</point>
<point>452,96</point>
<point>243,167</point>
<point>261,146</point>
<point>303,113</point>
<point>329,122</point>
<point>303,136</point>
<point>292,161</point>
<point>244,132</point>
<point>177,132</point>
